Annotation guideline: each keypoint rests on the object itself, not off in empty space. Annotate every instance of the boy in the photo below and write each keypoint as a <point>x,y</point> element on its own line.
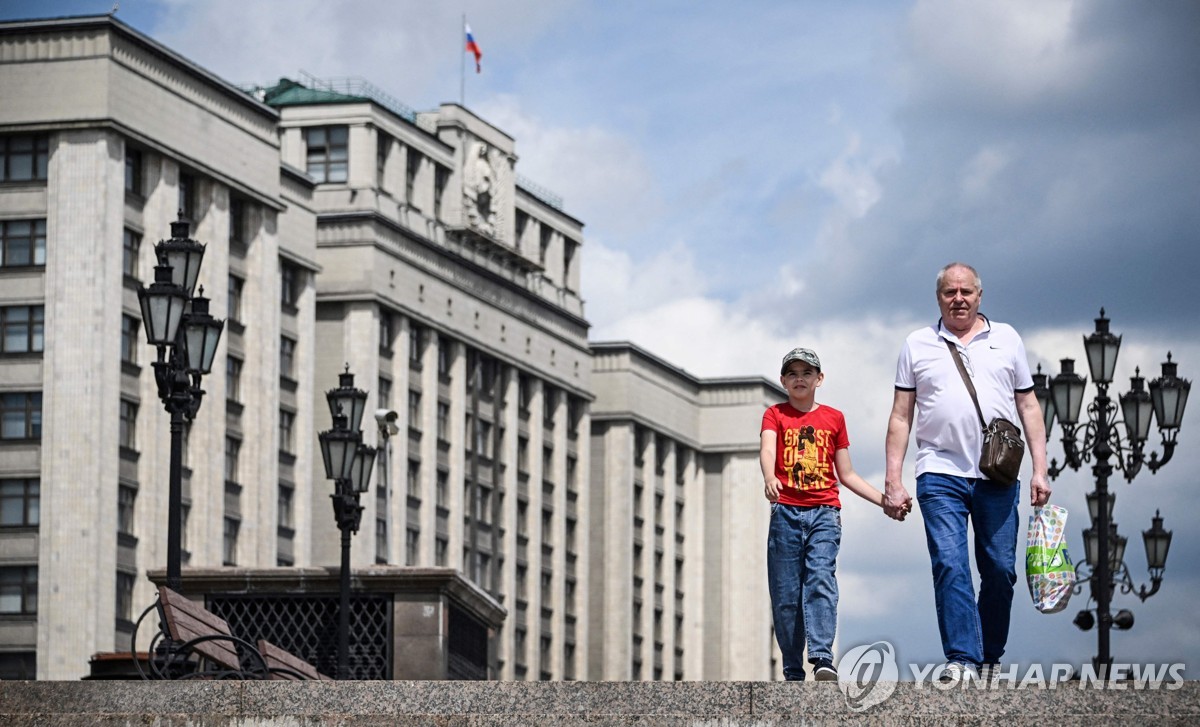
<point>803,456</point>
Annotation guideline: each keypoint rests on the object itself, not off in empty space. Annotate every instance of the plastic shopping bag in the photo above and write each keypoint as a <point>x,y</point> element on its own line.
<point>1047,564</point>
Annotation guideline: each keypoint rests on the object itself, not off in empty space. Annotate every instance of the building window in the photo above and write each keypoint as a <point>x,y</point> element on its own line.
<point>544,244</point>
<point>129,339</point>
<point>384,392</point>
<point>236,285</point>
<point>230,542</point>
<point>20,503</point>
<point>549,405</point>
<point>125,583</point>
<point>18,589</point>
<point>287,422</point>
<point>445,358</point>
<point>521,224</point>
<point>24,157</point>
<point>569,247</point>
<point>187,196</point>
<point>287,357</point>
<point>413,478</point>
<point>483,439</point>
<point>386,332</point>
<point>443,488</point>
<point>126,502</point>
<point>524,395</point>
<point>21,328</point>
<point>523,454</point>
<point>441,176</point>
<point>291,284</point>
<point>416,346</point>
<point>21,415</point>
<point>328,153</point>
<point>23,243</point>
<point>233,378</point>
<point>414,410</point>
<point>237,223</point>
<point>233,447</point>
<point>441,550</point>
<point>133,171</point>
<point>20,665</point>
<point>381,540</point>
<point>443,421</point>
<point>129,259</point>
<point>127,433</point>
<point>411,169</point>
<point>383,145</point>
<point>287,495</point>
<point>412,546</point>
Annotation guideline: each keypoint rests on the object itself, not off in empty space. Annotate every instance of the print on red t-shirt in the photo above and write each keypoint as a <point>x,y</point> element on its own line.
<point>804,447</point>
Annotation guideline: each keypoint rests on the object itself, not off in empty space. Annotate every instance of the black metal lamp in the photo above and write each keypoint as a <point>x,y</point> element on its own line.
<point>338,447</point>
<point>360,473</point>
<point>1041,389</point>
<point>1102,348</point>
<point>201,334</point>
<point>1067,389</point>
<point>1169,394</point>
<point>1157,541</point>
<point>183,254</point>
<point>1093,504</point>
<point>1136,409</point>
<point>162,308</point>
<point>1116,547</point>
<point>1123,619</point>
<point>347,400</point>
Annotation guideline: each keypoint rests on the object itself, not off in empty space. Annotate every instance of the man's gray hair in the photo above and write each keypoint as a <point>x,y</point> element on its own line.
<point>941,276</point>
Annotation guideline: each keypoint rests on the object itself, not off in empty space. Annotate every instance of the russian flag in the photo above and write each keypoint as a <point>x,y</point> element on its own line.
<point>473,47</point>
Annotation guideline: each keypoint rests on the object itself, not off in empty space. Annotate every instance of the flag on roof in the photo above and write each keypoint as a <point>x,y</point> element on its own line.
<point>473,47</point>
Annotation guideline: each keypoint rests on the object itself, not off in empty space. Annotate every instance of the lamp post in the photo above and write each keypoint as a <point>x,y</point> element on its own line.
<point>348,463</point>
<point>1098,440</point>
<point>179,326</point>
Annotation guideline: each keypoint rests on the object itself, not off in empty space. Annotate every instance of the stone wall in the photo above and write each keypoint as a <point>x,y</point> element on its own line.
<point>729,704</point>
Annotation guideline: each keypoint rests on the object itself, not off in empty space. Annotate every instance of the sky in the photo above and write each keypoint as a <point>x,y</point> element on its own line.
<point>759,175</point>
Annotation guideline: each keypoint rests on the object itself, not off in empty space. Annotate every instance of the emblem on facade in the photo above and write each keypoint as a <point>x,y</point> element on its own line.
<point>480,190</point>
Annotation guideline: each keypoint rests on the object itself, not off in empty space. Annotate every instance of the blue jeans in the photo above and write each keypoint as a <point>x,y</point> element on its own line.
<point>802,549</point>
<point>972,632</point>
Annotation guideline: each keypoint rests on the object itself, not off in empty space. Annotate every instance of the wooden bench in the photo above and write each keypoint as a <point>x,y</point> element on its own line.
<point>196,630</point>
<point>284,665</point>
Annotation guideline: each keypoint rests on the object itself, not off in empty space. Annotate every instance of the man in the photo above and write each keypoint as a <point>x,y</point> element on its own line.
<point>950,488</point>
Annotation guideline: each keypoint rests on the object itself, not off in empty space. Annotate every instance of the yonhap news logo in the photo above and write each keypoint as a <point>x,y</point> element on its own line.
<point>868,676</point>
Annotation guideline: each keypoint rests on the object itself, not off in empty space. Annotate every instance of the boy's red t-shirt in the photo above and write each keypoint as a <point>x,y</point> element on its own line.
<point>804,447</point>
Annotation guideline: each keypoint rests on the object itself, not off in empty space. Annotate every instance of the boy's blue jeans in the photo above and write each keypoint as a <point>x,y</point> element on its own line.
<point>972,632</point>
<point>802,549</point>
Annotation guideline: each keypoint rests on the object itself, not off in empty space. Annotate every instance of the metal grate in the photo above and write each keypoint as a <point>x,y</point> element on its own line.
<point>307,627</point>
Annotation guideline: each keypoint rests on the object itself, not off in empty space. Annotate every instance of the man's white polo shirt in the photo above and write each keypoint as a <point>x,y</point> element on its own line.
<point>949,435</point>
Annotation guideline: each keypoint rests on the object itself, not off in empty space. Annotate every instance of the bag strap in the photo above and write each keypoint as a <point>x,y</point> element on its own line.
<point>962,370</point>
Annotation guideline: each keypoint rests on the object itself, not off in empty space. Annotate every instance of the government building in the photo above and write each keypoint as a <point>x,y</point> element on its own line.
<point>607,500</point>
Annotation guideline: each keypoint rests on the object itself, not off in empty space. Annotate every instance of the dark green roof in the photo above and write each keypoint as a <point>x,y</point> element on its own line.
<point>290,93</point>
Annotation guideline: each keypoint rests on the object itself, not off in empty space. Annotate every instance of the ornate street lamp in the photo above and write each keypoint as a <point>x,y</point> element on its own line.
<point>348,463</point>
<point>1104,548</point>
<point>186,337</point>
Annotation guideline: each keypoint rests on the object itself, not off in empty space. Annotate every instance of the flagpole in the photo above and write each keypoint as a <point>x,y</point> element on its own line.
<point>462,63</point>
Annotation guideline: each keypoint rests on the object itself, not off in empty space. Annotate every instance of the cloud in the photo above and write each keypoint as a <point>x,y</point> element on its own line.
<point>1029,149</point>
<point>602,175</point>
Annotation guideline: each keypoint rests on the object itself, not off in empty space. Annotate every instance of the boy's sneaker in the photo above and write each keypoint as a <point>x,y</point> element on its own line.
<point>823,671</point>
<point>955,672</point>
